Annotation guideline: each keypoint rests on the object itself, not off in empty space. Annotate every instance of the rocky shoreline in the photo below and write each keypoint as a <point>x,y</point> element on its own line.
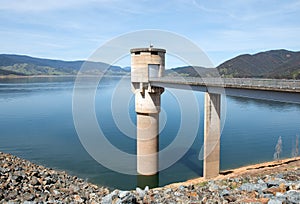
<point>24,182</point>
<point>21,181</point>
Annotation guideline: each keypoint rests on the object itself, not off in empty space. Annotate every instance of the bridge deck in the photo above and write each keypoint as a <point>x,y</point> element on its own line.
<point>267,89</point>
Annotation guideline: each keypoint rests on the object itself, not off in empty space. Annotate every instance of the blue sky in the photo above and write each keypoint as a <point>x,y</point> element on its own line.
<point>74,29</point>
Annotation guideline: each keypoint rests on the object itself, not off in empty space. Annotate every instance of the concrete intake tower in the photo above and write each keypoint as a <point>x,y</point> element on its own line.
<point>147,63</point>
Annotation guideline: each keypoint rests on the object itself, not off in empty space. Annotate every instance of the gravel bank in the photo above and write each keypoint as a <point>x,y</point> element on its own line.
<point>21,181</point>
<point>24,182</point>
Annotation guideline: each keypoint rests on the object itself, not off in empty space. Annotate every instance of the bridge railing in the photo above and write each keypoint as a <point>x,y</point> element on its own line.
<point>265,83</point>
<point>233,82</point>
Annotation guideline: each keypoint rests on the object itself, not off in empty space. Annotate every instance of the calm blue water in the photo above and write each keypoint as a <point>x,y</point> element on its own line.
<point>36,123</point>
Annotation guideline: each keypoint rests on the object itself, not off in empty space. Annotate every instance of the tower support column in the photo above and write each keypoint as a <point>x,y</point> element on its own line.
<point>147,109</point>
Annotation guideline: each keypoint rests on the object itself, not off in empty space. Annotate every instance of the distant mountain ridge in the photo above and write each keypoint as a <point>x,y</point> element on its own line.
<point>25,65</point>
<point>270,64</point>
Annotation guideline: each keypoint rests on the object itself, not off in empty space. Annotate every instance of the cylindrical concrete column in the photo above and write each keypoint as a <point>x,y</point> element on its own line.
<point>147,107</point>
<point>144,63</point>
<point>211,163</point>
<point>147,143</point>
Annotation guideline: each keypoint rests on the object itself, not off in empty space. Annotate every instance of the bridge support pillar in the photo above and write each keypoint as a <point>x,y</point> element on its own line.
<point>211,164</point>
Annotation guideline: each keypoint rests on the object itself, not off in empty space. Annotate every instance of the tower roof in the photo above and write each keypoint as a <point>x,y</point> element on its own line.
<point>148,49</point>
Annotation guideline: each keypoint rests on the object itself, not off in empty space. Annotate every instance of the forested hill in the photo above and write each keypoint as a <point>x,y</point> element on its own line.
<point>25,65</point>
<point>270,64</point>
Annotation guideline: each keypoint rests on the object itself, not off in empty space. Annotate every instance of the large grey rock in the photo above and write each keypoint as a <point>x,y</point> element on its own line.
<point>141,192</point>
<point>275,182</point>
<point>169,190</point>
<point>34,181</point>
<point>279,175</point>
<point>253,187</point>
<point>123,194</point>
<point>297,185</point>
<point>225,193</point>
<point>280,196</point>
<point>118,201</point>
<point>293,196</point>
<point>213,187</point>
<point>181,188</point>
<point>274,201</point>
<point>260,181</point>
<point>178,194</point>
<point>110,197</point>
<point>28,197</point>
<point>4,170</point>
<point>107,199</point>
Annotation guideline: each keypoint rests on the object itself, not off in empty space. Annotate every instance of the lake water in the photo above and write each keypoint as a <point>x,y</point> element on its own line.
<point>36,123</point>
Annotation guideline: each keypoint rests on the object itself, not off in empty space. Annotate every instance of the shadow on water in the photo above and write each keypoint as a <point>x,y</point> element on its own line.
<point>150,181</point>
<point>274,105</point>
<point>191,161</point>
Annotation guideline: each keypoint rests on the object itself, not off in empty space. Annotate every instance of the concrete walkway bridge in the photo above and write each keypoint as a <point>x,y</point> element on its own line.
<point>284,90</point>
